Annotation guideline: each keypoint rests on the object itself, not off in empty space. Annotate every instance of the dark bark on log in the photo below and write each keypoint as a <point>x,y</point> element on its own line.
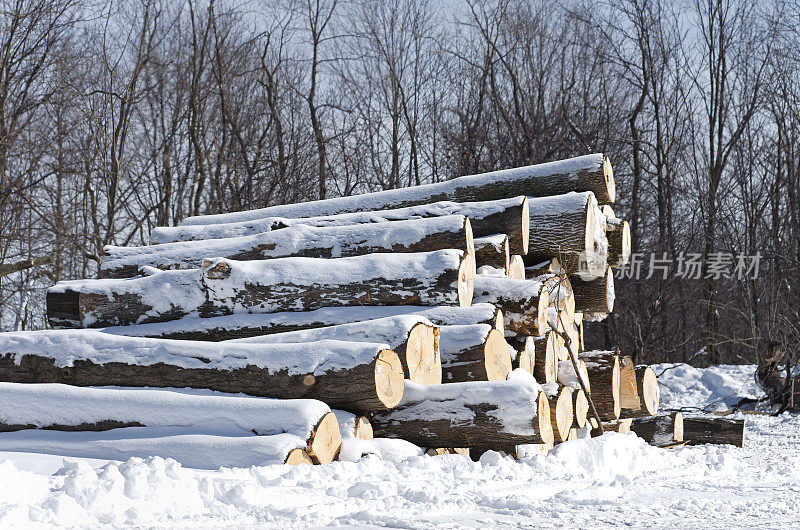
<point>603,370</point>
<point>698,431</point>
<point>619,245</point>
<point>473,353</point>
<point>492,251</point>
<point>524,303</point>
<point>594,296</point>
<point>661,430</point>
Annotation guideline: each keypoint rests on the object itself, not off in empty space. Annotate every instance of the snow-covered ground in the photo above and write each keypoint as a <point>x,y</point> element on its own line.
<point>609,481</point>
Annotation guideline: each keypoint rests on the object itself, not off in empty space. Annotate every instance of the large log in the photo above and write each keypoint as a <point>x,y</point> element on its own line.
<point>569,227</point>
<point>228,327</point>
<point>476,352</point>
<point>480,415</point>
<point>619,243</point>
<point>506,216</point>
<point>594,296</point>
<point>417,235</point>
<point>661,430</point>
<point>603,370</point>
<point>69,408</point>
<point>492,251</point>
<point>567,376</point>
<point>724,431</point>
<point>524,303</point>
<point>647,391</point>
<point>584,173</point>
<point>412,337</point>
<point>359,377</point>
<point>443,277</point>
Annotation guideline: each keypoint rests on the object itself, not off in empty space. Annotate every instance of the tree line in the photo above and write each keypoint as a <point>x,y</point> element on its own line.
<point>118,116</point>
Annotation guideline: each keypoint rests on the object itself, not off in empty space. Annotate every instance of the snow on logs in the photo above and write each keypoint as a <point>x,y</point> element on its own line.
<point>702,430</point>
<point>603,370</point>
<point>480,415</point>
<point>41,406</point>
<point>661,430</point>
<point>443,277</point>
<point>412,337</point>
<point>353,426</point>
<point>359,377</point>
<point>492,251</point>
<point>416,235</point>
<point>476,352</point>
<point>566,227</point>
<point>584,173</point>
<point>524,303</point>
<point>619,243</point>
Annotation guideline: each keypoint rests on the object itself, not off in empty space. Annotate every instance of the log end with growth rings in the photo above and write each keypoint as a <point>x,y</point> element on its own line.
<point>466,280</point>
<point>389,378</point>
<point>677,427</point>
<point>470,243</point>
<point>497,356</point>
<point>580,408</point>
<point>499,322</point>
<point>298,457</point>
<point>544,427</point>
<point>325,440</point>
<point>363,429</point>
<point>561,414</point>
<point>649,397</point>
<point>542,313</point>
<point>608,175</point>
<point>422,355</point>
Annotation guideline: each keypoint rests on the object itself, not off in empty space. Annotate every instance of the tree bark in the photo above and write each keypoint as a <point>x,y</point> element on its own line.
<point>476,352</point>
<point>594,296</point>
<point>547,352</point>
<point>492,251</point>
<point>603,370</point>
<point>524,303</point>
<point>661,430</point>
<point>698,431</point>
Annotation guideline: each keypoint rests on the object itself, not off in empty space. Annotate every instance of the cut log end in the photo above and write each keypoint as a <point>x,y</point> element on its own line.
<point>422,355</point>
<point>545,426</point>
<point>325,440</point>
<point>363,429</point>
<point>677,428</point>
<point>516,268</point>
<point>499,322</point>
<point>298,457</point>
<point>466,280</point>
<point>649,389</point>
<point>608,175</point>
<point>561,414</point>
<point>497,356</point>
<point>541,311</point>
<point>580,407</point>
<point>389,378</point>
<point>526,225</point>
<point>544,361</point>
<point>628,386</point>
<point>470,243</point>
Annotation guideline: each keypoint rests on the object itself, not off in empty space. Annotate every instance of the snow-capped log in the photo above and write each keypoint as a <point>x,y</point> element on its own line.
<point>603,370</point>
<point>566,374</point>
<point>584,173</point>
<point>565,227</point>
<point>416,235</point>
<point>550,266</point>
<point>516,268</point>
<point>242,325</point>
<point>547,352</point>
<point>476,352</point>
<point>524,303</point>
<point>493,251</point>
<point>477,414</point>
<point>442,277</point>
<point>647,391</point>
<point>504,216</point>
<point>661,430</point>
<point>594,296</point>
<point>69,408</point>
<point>721,431</point>
<point>561,412</point>
<point>412,337</point>
<point>628,387</point>
<point>559,287</point>
<point>359,377</point>
<point>619,244</point>
<point>352,426</point>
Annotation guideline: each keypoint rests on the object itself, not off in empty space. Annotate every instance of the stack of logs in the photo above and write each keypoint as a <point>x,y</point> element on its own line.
<point>449,315</point>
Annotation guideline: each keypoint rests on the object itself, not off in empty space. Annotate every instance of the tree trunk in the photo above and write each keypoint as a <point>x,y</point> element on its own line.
<point>492,251</point>
<point>661,430</point>
<point>412,337</point>
<point>594,296</point>
<point>467,415</point>
<point>619,244</point>
<point>358,377</point>
<point>698,431</point>
<point>416,235</point>
<point>603,370</point>
<point>524,303</point>
<point>584,173</point>
<point>442,277</point>
<point>476,352</point>
<point>648,393</point>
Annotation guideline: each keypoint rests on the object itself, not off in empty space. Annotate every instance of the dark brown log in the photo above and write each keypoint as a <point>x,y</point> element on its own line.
<point>594,296</point>
<point>547,350</point>
<point>662,430</point>
<point>475,352</point>
<point>619,244</point>
<point>647,391</point>
<point>443,277</point>
<point>603,370</point>
<point>524,303</point>
<point>585,173</point>
<point>435,415</point>
<point>492,251</point>
<point>360,378</point>
<point>415,235</point>
<point>723,431</point>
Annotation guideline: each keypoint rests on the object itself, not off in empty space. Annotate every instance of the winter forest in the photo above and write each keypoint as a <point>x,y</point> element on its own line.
<point>119,116</point>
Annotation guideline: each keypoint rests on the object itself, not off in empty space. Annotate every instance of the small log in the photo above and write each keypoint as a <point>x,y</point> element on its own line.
<point>492,251</point>
<point>353,426</point>
<point>411,337</point>
<point>561,412</point>
<point>594,296</point>
<point>647,391</point>
<point>415,235</point>
<point>584,173</point>
<point>359,377</point>
<point>580,408</point>
<point>443,277</point>
<point>619,245</point>
<point>476,352</point>
<point>547,349</point>
<point>628,387</point>
<point>469,415</point>
<point>42,406</point>
<point>298,457</point>
<point>661,430</point>
<point>524,303</point>
<point>516,268</point>
<point>568,227</point>
<point>559,287</point>
<point>621,426</point>
<point>723,431</point>
<point>603,370</point>
<point>526,353</point>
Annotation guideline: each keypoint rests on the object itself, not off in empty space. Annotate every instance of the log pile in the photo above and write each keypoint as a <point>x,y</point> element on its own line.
<point>448,315</point>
